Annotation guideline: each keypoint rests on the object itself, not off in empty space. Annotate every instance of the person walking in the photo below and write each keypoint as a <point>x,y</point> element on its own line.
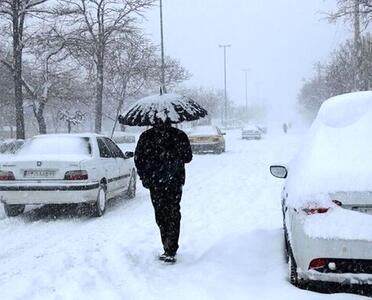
<point>160,158</point>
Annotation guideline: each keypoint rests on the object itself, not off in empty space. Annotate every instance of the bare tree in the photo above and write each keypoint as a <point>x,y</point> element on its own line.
<point>90,28</point>
<point>71,118</point>
<point>134,70</point>
<point>129,68</point>
<point>47,55</point>
<point>338,76</point>
<point>15,11</point>
<point>174,73</point>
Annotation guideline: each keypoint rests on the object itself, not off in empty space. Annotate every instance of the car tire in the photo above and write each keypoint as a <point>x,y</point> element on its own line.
<point>292,270</point>
<point>131,192</point>
<point>285,247</point>
<point>13,210</point>
<point>99,206</point>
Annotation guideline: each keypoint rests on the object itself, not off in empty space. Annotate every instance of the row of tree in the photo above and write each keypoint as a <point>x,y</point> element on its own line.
<point>59,57</point>
<point>349,68</point>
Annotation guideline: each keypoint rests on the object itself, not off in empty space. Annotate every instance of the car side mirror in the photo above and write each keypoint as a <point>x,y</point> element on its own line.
<point>279,171</point>
<point>128,154</point>
<point>223,133</point>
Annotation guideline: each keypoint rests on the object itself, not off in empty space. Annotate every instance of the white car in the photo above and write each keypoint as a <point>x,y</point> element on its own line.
<point>66,168</point>
<point>327,197</point>
<point>251,132</point>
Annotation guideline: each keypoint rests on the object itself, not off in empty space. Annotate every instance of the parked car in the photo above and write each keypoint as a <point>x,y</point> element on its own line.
<point>207,139</point>
<point>327,198</point>
<point>251,132</point>
<point>262,128</point>
<point>66,168</point>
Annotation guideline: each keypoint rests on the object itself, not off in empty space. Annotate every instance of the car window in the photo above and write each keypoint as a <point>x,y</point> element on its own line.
<point>104,150</point>
<point>114,148</point>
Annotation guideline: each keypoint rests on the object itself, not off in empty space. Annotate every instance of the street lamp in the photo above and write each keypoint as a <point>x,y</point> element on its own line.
<point>246,90</point>
<point>163,88</point>
<point>225,88</point>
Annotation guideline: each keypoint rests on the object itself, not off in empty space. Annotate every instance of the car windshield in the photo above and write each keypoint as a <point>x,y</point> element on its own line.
<point>56,145</point>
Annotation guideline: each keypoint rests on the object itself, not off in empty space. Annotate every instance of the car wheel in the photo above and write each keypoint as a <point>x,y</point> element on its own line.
<point>12,210</point>
<point>99,206</point>
<point>131,192</point>
<point>285,247</point>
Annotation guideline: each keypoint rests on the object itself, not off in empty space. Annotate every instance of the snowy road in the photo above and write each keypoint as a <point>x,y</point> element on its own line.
<point>231,239</point>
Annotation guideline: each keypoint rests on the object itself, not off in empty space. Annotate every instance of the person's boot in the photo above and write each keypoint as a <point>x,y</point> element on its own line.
<point>168,258</point>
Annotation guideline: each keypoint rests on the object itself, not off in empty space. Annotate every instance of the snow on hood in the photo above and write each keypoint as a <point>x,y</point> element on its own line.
<point>337,154</point>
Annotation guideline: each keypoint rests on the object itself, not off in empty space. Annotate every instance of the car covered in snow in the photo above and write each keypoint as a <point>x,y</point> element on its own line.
<point>327,197</point>
<point>251,132</point>
<point>207,138</point>
<point>64,169</point>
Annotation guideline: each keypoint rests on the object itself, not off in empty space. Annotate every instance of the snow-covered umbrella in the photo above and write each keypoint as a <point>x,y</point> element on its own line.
<point>160,109</point>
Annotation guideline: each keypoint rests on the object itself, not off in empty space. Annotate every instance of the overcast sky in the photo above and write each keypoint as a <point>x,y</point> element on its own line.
<point>278,40</point>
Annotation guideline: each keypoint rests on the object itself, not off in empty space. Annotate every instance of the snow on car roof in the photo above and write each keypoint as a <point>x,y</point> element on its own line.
<point>56,145</point>
<point>83,134</point>
<point>204,130</point>
<point>337,153</point>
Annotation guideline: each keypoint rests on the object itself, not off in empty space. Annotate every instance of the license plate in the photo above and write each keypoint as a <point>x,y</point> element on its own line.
<point>39,173</point>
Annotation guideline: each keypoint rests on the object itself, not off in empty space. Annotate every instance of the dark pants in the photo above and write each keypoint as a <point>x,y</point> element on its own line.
<point>166,201</point>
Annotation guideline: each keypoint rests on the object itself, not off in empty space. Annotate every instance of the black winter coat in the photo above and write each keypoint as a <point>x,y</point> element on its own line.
<point>160,156</point>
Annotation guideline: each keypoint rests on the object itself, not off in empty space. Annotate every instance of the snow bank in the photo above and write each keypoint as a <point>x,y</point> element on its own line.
<point>337,153</point>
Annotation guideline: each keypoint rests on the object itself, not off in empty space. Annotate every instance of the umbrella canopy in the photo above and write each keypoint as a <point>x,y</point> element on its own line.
<point>161,109</point>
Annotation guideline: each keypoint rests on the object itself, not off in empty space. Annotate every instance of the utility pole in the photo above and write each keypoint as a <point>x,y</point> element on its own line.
<point>164,90</point>
<point>246,90</point>
<point>225,76</point>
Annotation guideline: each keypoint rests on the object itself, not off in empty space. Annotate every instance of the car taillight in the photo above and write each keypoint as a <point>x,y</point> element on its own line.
<point>76,175</point>
<point>6,175</point>
<point>320,210</point>
<point>313,211</point>
<point>318,263</point>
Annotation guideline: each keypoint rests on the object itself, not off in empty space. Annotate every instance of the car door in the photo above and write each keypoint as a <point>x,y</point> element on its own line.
<point>122,163</point>
<point>108,163</point>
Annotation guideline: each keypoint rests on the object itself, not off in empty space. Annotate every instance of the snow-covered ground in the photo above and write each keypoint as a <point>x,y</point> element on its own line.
<point>231,239</point>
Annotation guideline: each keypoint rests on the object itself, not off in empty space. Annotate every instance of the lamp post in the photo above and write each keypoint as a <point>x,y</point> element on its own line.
<point>163,88</point>
<point>225,76</point>
<point>246,90</point>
